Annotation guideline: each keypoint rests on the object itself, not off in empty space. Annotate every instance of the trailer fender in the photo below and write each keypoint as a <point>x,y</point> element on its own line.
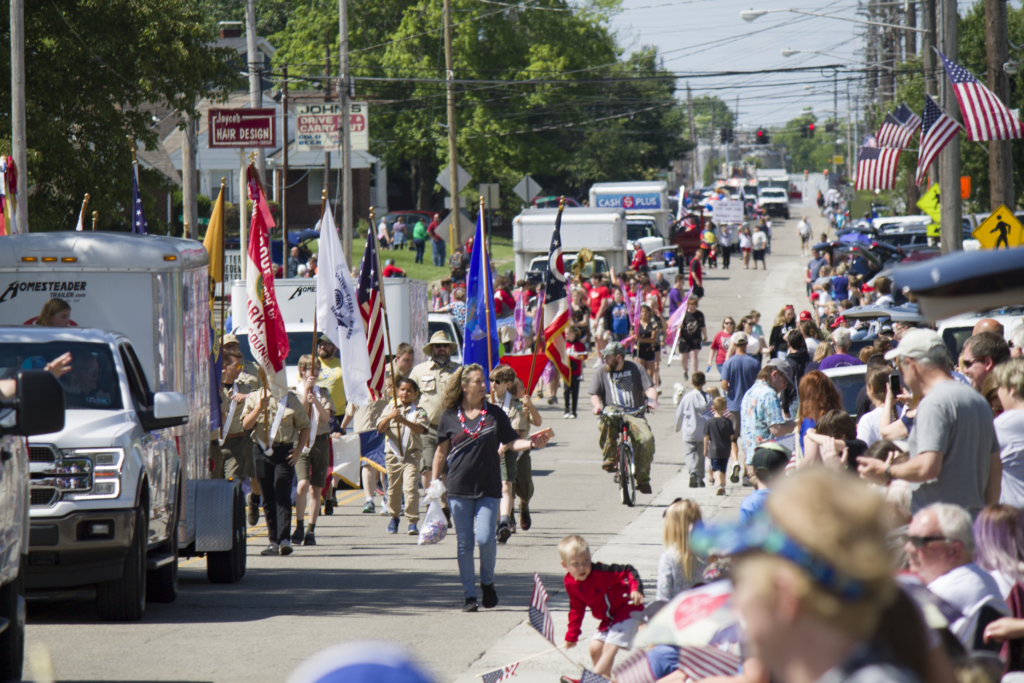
<point>213,514</point>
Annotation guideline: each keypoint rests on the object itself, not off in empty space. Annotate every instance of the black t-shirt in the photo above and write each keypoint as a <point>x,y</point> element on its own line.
<point>692,325</point>
<point>721,432</point>
<point>473,463</point>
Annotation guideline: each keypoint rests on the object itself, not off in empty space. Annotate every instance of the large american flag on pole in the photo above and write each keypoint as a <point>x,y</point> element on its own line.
<point>907,118</point>
<point>893,134</point>
<point>939,128</point>
<point>368,297</point>
<point>985,116</point>
<point>540,617</point>
<point>876,168</point>
<point>556,303</point>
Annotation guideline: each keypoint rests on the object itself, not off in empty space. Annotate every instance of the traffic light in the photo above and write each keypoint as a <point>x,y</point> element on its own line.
<point>810,130</point>
<point>724,135</point>
<point>762,136</point>
<point>830,127</point>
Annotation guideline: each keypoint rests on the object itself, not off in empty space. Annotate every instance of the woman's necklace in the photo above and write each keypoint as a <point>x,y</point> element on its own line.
<point>479,425</point>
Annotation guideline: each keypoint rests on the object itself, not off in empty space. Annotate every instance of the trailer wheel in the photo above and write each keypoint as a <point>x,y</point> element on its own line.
<point>228,566</point>
<point>124,599</point>
<point>12,640</point>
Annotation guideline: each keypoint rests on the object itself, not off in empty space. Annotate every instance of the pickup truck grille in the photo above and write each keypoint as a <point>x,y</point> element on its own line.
<point>43,497</point>
<point>42,454</point>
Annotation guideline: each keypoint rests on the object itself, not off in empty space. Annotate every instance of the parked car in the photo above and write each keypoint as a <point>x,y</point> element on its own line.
<point>410,218</point>
<point>551,202</point>
<point>848,381</point>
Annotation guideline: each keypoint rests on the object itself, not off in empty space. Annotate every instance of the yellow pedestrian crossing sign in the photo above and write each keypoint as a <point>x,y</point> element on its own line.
<point>1000,230</point>
<point>929,203</point>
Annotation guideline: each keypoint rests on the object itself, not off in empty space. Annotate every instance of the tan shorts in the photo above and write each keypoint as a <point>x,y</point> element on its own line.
<point>235,459</point>
<point>429,439</point>
<point>312,466</point>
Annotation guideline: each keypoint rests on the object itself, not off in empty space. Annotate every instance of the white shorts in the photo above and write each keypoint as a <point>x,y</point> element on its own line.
<point>622,633</point>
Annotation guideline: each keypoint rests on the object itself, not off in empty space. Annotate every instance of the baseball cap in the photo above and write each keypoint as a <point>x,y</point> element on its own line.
<point>739,338</point>
<point>805,315</point>
<point>785,368</point>
<point>324,339</point>
<point>919,343</point>
<point>614,348</point>
<point>770,456</point>
<point>815,296</point>
<point>838,321</point>
<point>230,339</point>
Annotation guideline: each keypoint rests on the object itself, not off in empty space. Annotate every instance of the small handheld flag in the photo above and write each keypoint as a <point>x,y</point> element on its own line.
<point>500,674</point>
<point>634,669</point>
<point>540,617</point>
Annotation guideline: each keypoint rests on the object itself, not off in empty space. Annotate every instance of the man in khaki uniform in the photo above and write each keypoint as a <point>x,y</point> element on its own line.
<point>249,377</point>
<point>235,447</point>
<point>276,469</point>
<point>432,377</point>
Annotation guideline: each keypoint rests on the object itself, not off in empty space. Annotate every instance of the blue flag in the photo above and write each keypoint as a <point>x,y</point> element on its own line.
<point>216,369</point>
<point>481,338</point>
<point>139,225</point>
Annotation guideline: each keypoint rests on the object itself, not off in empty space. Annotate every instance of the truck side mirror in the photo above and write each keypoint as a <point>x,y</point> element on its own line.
<point>39,404</point>
<point>170,409</point>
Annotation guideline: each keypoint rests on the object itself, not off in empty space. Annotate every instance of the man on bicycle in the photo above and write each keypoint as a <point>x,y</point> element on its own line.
<point>625,385</point>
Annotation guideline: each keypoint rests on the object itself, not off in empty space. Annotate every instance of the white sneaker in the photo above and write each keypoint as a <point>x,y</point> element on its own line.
<point>566,416</point>
<point>286,547</point>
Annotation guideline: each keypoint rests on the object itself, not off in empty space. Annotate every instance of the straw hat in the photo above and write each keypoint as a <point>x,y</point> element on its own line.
<point>439,337</point>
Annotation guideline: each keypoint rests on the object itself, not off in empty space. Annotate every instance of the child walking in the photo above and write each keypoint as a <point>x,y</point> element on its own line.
<point>403,425</point>
<point>690,423</point>
<point>718,433</point>
<point>615,595</point>
<point>577,354</point>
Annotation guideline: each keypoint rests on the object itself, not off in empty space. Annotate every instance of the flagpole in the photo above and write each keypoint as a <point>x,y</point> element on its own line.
<point>95,219</point>
<point>223,269</point>
<point>488,301</point>
<point>266,411</point>
<point>85,206</point>
<point>387,328</point>
<point>323,208</point>
<point>539,327</point>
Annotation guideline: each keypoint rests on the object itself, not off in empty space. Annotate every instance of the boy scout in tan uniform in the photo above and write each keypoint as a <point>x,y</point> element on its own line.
<point>432,377</point>
<point>249,377</point>
<point>235,447</point>
<point>403,425</point>
<point>276,469</point>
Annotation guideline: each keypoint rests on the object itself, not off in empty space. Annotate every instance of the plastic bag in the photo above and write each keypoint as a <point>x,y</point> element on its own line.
<point>434,527</point>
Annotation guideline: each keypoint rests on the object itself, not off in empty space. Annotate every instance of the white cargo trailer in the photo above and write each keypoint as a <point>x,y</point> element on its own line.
<point>603,231</point>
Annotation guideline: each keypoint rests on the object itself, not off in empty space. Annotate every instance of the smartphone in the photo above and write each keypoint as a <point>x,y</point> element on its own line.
<point>894,384</point>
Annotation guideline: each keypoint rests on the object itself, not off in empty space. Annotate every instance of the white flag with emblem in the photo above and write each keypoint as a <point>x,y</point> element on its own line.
<point>337,313</point>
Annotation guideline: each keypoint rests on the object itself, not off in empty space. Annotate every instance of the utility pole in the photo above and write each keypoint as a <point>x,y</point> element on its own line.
<point>1000,165</point>
<point>189,195</point>
<point>694,156</point>
<point>284,159</point>
<point>344,92</point>
<point>255,79</point>
<point>911,36</point>
<point>453,154</point>
<point>930,61</point>
<point>849,133</point>
<point>19,135</point>
<point>949,158</point>
<point>835,127</point>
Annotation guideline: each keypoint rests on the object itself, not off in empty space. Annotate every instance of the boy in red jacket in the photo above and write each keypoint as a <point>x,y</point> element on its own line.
<point>613,592</point>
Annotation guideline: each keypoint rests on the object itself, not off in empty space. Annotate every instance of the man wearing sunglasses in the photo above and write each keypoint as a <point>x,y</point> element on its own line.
<point>233,457</point>
<point>940,551</point>
<point>982,353</point>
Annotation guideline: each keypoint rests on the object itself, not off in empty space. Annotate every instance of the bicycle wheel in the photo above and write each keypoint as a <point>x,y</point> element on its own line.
<point>626,470</point>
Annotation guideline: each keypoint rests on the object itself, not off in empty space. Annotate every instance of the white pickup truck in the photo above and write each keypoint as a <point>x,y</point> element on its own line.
<point>124,487</point>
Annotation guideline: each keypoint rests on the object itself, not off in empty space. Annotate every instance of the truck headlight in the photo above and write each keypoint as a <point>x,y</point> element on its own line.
<point>107,463</point>
<point>103,459</point>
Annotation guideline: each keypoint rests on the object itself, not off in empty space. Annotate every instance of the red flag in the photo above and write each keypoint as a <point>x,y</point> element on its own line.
<point>267,337</point>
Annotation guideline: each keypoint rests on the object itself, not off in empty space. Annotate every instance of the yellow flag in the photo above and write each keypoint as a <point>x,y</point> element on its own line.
<point>214,241</point>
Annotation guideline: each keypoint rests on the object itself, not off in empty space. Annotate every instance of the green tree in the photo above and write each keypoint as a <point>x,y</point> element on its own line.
<point>805,153</point>
<point>94,69</point>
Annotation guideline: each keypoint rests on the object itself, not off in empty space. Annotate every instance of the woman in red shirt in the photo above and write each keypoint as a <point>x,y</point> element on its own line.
<point>504,302</point>
<point>720,344</point>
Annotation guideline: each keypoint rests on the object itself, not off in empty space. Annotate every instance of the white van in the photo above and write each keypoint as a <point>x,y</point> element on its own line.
<point>127,480</point>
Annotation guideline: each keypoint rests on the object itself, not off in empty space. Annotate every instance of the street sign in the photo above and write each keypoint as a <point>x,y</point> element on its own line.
<point>965,187</point>
<point>317,127</point>
<point>527,189</point>
<point>489,191</point>
<point>448,202</point>
<point>242,128</point>
<point>929,203</point>
<point>1001,229</point>
<point>849,194</point>
<point>466,225</point>
<point>444,178</point>
<point>838,160</point>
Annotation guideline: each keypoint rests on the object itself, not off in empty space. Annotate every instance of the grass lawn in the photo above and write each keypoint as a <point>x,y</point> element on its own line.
<point>501,254</point>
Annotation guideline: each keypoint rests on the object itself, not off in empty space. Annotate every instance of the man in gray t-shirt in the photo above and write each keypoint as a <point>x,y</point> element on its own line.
<point>954,455</point>
<point>626,385</point>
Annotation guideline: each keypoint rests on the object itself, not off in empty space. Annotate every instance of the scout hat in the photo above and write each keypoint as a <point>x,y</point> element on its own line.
<point>439,337</point>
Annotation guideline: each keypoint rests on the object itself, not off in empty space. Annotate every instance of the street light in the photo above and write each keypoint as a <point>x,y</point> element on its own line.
<point>789,53</point>
<point>752,14</point>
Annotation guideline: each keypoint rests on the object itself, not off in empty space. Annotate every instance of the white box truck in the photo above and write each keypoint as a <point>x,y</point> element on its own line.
<point>643,198</point>
<point>603,231</point>
<point>124,488</point>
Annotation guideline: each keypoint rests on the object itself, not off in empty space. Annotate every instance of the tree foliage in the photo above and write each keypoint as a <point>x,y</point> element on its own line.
<point>92,67</point>
<point>806,153</point>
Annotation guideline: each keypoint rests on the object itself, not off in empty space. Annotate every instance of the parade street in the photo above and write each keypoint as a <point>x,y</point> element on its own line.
<point>361,583</point>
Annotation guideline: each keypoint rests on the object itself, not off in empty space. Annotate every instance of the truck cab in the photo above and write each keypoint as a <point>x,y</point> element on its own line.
<point>642,229</point>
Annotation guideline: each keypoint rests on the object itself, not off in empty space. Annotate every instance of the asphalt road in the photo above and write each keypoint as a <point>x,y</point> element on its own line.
<point>361,583</point>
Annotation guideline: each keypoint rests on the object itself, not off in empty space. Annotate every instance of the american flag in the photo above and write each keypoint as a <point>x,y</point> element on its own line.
<point>556,304</point>
<point>702,662</point>
<point>893,134</point>
<point>876,168</point>
<point>500,674</point>
<point>368,297</point>
<point>540,617</point>
<point>591,677</point>
<point>634,669</point>
<point>985,116</point>
<point>139,225</point>
<point>939,128</point>
<point>907,118</point>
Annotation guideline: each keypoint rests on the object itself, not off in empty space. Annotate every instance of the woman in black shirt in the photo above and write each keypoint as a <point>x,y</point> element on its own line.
<point>472,435</point>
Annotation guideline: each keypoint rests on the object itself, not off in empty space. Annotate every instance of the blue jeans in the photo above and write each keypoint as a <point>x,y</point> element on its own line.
<point>476,521</point>
<point>664,659</point>
<point>439,252</point>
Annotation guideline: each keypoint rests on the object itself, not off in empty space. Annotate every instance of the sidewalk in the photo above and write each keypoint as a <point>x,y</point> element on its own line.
<point>733,292</point>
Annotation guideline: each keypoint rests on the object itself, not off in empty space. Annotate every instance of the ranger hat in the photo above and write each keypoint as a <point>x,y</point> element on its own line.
<point>439,337</point>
